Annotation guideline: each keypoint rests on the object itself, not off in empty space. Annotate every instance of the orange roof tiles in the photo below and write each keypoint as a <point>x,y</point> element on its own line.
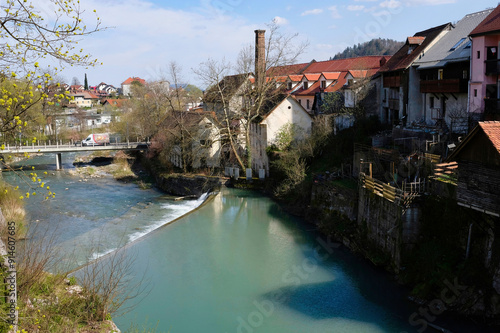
<point>343,65</point>
<point>132,79</point>
<point>295,78</point>
<point>490,24</point>
<point>331,76</point>
<point>286,70</point>
<point>312,77</point>
<point>492,131</point>
<point>403,58</point>
<point>415,40</point>
<point>359,73</point>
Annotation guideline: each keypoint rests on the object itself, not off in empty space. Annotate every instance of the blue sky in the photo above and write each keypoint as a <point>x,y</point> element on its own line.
<point>147,34</point>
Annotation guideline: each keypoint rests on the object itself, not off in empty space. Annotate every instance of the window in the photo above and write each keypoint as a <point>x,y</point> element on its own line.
<point>323,84</point>
<point>475,92</point>
<point>306,85</point>
<point>300,101</point>
<point>457,44</point>
<point>289,85</point>
<point>307,104</point>
<point>465,74</point>
<point>440,74</point>
<point>431,102</point>
<point>479,54</point>
<point>468,45</point>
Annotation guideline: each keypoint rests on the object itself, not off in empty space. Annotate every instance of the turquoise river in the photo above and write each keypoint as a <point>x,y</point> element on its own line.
<point>237,263</point>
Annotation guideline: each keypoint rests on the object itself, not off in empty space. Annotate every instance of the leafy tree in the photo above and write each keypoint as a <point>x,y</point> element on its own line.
<point>27,39</point>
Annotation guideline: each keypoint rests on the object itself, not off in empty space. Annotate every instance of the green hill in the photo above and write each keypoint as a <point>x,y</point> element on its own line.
<point>379,46</point>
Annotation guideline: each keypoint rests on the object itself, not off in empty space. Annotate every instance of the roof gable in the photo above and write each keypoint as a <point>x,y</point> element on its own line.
<point>408,53</point>
<point>292,101</point>
<point>132,79</point>
<point>490,24</point>
<point>481,145</point>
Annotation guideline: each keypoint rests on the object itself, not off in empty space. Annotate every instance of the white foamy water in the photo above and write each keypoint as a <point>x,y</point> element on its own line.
<point>174,212</point>
<point>140,220</point>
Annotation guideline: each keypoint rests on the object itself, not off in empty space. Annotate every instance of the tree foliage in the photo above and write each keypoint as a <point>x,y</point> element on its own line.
<point>33,35</point>
<point>379,46</point>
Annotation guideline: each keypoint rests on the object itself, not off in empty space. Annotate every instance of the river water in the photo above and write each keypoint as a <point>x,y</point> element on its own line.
<point>236,264</point>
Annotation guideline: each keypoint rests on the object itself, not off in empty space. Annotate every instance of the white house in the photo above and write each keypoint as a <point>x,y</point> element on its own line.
<point>264,133</point>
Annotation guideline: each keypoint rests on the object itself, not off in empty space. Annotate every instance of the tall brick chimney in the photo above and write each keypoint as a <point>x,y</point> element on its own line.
<point>260,56</point>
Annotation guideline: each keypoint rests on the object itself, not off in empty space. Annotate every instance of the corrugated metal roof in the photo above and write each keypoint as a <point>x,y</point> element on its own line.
<point>452,47</point>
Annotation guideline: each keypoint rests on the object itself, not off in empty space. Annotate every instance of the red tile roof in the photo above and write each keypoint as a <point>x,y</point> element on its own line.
<point>490,24</point>
<point>331,76</point>
<point>415,40</point>
<point>312,77</point>
<point>114,102</point>
<point>295,78</point>
<point>310,91</point>
<point>132,79</point>
<point>287,70</point>
<point>344,65</point>
<point>492,131</point>
<point>359,74</point>
<point>402,60</point>
<point>316,87</point>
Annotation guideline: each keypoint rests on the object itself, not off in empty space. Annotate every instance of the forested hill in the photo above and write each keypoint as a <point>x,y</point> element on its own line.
<point>377,46</point>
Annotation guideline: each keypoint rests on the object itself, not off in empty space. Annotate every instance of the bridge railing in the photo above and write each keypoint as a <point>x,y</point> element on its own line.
<point>40,146</point>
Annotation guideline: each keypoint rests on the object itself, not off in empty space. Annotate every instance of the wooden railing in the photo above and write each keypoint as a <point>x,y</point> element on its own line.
<point>443,86</point>
<point>391,193</point>
<point>379,188</point>
<point>392,81</point>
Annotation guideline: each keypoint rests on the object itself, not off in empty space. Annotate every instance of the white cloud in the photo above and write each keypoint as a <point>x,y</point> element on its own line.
<point>390,4</point>
<point>147,37</point>
<point>335,12</point>
<point>355,7</point>
<point>280,20</point>
<point>324,46</point>
<point>312,12</point>
<point>429,2</point>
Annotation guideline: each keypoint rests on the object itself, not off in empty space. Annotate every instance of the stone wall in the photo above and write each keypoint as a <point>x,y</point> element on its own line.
<point>181,185</point>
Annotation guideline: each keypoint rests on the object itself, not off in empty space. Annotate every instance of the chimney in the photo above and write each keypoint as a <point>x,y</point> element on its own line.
<point>260,56</point>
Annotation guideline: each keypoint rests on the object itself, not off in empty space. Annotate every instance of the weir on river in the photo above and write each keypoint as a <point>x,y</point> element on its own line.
<point>236,264</point>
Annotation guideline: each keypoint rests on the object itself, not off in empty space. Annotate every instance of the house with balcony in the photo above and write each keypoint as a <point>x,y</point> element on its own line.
<point>442,98</point>
<point>484,97</point>
<point>398,72</point>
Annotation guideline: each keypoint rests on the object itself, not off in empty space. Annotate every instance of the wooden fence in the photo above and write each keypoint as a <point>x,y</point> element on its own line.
<point>379,188</point>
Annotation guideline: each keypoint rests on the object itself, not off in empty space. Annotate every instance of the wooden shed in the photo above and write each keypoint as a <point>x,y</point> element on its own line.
<point>478,158</point>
